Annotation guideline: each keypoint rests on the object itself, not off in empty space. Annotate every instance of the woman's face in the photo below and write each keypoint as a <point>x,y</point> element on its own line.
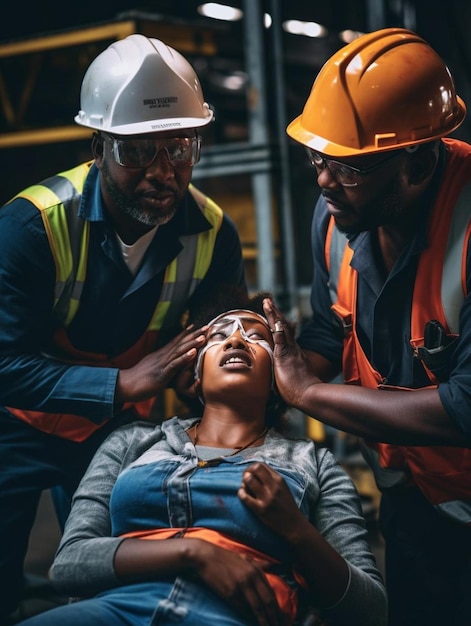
<point>238,355</point>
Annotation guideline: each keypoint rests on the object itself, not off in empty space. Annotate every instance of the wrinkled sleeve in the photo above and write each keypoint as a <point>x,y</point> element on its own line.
<point>338,516</point>
<point>29,379</point>
<point>84,562</point>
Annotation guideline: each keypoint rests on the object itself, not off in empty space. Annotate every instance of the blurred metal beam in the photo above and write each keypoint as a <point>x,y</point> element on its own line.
<point>285,208</point>
<point>376,14</point>
<point>259,136</point>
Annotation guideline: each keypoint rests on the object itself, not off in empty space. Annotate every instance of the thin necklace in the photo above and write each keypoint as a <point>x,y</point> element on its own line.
<point>218,459</point>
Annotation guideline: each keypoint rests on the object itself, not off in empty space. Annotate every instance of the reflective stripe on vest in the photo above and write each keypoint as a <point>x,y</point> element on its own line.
<point>442,473</point>
<point>58,200</point>
<point>187,270</point>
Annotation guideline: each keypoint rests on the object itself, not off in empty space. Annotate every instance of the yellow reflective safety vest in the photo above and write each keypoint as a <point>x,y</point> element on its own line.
<point>443,474</point>
<point>58,200</point>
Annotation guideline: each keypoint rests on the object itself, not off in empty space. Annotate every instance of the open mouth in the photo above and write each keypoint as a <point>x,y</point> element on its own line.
<point>236,358</point>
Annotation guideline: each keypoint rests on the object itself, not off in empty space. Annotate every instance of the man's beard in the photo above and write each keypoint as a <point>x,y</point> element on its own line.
<point>130,205</point>
<point>383,210</point>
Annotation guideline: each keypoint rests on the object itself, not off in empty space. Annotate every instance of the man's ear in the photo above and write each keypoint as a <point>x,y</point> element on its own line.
<point>97,147</point>
<point>422,165</point>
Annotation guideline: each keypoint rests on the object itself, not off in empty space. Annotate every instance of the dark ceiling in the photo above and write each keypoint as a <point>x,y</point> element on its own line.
<point>50,15</point>
<point>53,99</point>
<point>445,28</point>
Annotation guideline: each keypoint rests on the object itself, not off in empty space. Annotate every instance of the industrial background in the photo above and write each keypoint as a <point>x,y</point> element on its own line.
<point>257,76</point>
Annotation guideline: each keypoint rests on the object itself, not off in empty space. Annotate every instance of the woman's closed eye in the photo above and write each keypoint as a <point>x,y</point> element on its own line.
<point>256,335</point>
<point>218,334</point>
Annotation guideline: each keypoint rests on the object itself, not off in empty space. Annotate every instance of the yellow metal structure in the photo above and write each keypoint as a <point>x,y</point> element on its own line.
<point>23,63</point>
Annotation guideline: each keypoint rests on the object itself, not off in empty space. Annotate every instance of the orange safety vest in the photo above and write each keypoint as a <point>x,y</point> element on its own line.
<point>442,473</point>
<point>58,199</point>
<point>286,596</point>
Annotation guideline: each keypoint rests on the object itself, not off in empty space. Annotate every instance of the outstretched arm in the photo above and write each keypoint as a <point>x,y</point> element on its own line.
<point>400,417</point>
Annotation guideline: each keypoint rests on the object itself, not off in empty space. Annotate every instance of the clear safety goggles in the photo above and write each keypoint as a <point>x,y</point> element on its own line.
<point>347,175</point>
<point>141,153</point>
<point>223,326</point>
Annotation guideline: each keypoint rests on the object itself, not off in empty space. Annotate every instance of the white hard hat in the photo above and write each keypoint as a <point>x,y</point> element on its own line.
<point>141,85</point>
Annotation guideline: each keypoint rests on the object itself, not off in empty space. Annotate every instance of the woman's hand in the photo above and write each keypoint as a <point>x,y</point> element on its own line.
<point>266,494</point>
<point>238,580</point>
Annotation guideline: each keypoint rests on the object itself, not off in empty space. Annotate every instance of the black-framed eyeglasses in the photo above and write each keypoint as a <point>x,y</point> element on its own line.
<point>347,175</point>
<point>141,153</point>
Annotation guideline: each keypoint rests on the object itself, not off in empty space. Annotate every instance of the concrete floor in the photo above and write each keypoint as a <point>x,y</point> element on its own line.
<point>44,539</point>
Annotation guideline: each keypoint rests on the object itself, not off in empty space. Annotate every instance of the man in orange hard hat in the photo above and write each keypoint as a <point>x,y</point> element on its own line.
<point>391,310</point>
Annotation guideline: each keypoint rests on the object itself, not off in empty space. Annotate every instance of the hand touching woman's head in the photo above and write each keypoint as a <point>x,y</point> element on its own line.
<point>237,360</point>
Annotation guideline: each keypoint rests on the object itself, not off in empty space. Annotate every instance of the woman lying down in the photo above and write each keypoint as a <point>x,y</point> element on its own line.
<point>218,519</point>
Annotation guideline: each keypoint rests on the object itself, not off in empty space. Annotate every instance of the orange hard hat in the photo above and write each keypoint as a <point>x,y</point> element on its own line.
<point>385,90</point>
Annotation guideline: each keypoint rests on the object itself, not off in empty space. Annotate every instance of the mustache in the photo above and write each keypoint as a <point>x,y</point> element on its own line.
<point>328,195</point>
<point>161,188</point>
<point>333,198</point>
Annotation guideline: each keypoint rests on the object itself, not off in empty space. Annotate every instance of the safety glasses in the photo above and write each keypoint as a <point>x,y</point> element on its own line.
<point>141,153</point>
<point>252,326</point>
<point>347,175</point>
<point>252,329</point>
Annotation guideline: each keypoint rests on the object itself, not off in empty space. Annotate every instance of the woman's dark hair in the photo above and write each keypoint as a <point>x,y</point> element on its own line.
<point>223,299</point>
<point>226,298</point>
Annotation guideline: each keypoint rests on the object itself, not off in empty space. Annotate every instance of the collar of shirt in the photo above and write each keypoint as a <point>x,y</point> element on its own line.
<point>362,246</point>
<point>359,243</point>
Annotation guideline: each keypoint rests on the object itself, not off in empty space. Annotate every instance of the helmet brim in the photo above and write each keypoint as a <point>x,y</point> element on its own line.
<point>297,131</point>
<point>149,126</point>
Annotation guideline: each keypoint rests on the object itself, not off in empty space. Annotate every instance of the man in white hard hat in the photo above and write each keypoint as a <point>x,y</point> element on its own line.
<point>99,265</point>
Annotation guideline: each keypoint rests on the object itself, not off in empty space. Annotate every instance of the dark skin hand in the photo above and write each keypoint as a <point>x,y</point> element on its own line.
<point>238,580</point>
<point>266,494</point>
<point>398,417</point>
<point>184,382</point>
<point>157,370</point>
